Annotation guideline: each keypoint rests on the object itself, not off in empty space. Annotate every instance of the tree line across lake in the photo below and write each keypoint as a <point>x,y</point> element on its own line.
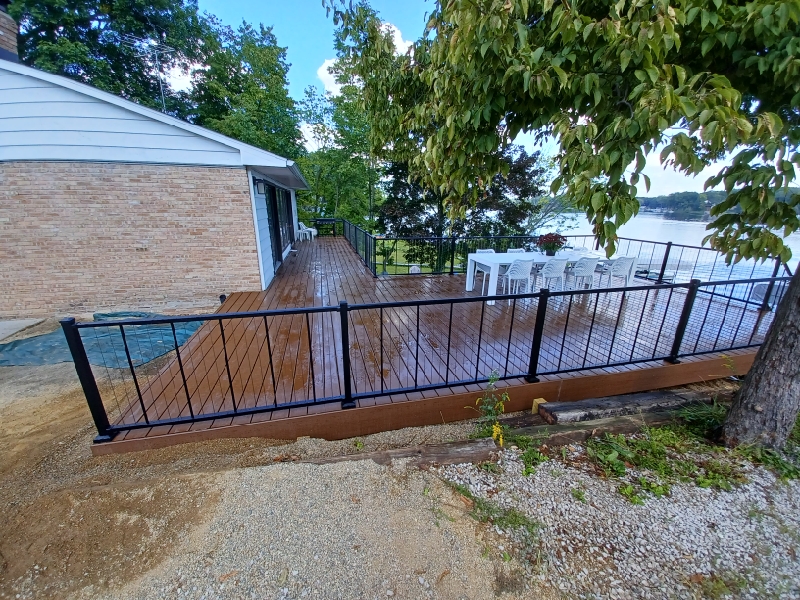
<point>695,206</point>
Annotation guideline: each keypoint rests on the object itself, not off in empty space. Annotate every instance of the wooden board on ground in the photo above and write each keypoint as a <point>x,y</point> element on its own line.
<point>615,406</point>
<point>576,433</point>
<point>452,453</point>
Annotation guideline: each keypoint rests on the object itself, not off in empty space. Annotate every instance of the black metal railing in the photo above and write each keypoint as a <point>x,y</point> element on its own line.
<point>238,365</point>
<point>660,262</point>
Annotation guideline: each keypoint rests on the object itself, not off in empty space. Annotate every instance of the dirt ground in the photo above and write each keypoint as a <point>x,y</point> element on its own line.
<point>73,522</point>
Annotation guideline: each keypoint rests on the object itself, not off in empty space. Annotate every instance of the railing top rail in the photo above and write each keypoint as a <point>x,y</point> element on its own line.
<point>166,320</point>
<point>641,288</point>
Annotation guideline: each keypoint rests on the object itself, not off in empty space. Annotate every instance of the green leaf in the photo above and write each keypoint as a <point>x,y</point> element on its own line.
<point>624,59</point>
<point>522,33</point>
<point>537,54</point>
<point>562,76</point>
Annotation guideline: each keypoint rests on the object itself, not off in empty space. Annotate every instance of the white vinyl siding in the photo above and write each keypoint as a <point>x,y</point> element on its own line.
<point>43,121</point>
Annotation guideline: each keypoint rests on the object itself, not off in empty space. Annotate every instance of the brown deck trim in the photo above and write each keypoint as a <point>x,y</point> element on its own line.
<point>340,424</point>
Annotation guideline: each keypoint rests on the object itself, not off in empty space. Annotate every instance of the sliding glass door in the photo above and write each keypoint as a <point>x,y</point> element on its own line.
<point>281,219</point>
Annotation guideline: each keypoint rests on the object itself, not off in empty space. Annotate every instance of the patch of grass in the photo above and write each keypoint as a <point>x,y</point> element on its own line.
<point>505,518</point>
<point>705,420</point>
<point>578,494</point>
<point>783,468</point>
<point>716,587</point>
<point>669,454</point>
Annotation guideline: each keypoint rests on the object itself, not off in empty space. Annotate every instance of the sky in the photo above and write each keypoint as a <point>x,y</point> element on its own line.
<point>304,29</point>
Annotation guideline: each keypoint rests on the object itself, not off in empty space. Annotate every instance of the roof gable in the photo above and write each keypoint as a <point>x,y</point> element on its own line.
<point>49,117</point>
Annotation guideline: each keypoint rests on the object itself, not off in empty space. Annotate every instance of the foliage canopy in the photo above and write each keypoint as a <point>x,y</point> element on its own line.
<point>612,80</point>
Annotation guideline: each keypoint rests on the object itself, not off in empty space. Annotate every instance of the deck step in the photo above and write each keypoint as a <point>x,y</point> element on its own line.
<point>617,406</point>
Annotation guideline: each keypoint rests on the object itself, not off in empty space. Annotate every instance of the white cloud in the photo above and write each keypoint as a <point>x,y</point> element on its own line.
<point>327,78</point>
<point>329,81</point>
<point>400,45</point>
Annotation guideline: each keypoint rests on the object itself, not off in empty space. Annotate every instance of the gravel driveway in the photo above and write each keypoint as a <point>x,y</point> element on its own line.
<point>694,543</point>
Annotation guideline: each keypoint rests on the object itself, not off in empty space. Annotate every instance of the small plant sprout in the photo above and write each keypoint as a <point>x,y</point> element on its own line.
<point>578,494</point>
<point>491,405</point>
<point>359,445</point>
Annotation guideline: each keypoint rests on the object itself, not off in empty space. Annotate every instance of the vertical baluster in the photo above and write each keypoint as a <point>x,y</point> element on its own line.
<point>227,364</point>
<point>180,366</point>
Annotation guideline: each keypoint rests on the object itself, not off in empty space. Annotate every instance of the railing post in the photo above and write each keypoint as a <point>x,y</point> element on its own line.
<point>348,401</point>
<point>664,264</point>
<point>86,377</point>
<point>538,330</point>
<point>765,307</point>
<point>683,321</point>
<point>452,253</point>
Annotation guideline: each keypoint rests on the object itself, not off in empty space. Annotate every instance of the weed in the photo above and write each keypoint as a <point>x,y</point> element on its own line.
<point>531,458</point>
<point>359,445</point>
<point>506,556</point>
<point>629,492</point>
<point>658,490</point>
<point>491,405</point>
<point>578,494</point>
<point>523,442</point>
<point>490,467</point>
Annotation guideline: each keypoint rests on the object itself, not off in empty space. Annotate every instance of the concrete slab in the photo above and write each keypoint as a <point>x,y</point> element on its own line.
<point>9,328</point>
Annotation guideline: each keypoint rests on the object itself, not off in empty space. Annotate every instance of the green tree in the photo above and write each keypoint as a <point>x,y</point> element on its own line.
<point>343,175</point>
<point>83,40</point>
<point>242,89</point>
<point>612,80</point>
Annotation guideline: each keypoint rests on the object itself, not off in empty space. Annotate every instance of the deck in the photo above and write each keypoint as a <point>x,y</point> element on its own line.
<point>438,348</point>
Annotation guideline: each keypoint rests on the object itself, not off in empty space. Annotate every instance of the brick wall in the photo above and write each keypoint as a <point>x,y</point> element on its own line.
<point>76,238</point>
<point>8,33</point>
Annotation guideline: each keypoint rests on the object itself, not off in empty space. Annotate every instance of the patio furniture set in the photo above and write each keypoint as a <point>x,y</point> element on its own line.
<point>519,270</point>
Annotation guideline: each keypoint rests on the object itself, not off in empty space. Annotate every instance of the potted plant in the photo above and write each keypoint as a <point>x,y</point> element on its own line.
<point>551,243</point>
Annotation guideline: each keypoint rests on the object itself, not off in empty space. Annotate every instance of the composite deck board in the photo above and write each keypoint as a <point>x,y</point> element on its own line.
<point>286,359</point>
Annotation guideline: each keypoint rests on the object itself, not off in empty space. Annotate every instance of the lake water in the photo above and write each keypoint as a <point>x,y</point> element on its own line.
<point>653,227</point>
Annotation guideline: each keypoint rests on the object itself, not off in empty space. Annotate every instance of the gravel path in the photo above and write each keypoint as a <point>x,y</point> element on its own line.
<point>346,530</point>
<point>695,543</point>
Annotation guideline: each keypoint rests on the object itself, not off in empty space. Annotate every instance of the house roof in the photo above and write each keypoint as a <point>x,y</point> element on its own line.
<point>185,147</point>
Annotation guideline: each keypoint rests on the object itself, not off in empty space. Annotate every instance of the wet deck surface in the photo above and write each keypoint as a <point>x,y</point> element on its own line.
<point>452,345</point>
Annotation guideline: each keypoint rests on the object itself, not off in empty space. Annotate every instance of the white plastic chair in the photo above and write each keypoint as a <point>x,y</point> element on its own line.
<point>553,269</point>
<point>479,267</point>
<point>414,270</point>
<point>504,270</point>
<point>583,270</point>
<point>518,272</point>
<point>308,233</point>
<point>621,267</point>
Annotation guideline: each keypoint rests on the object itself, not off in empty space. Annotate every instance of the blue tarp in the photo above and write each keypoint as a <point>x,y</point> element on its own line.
<point>104,345</point>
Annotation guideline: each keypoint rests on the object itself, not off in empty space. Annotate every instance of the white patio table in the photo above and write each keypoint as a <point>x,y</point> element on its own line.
<point>493,262</point>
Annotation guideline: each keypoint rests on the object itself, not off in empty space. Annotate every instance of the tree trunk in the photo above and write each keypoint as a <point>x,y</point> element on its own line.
<point>765,409</point>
